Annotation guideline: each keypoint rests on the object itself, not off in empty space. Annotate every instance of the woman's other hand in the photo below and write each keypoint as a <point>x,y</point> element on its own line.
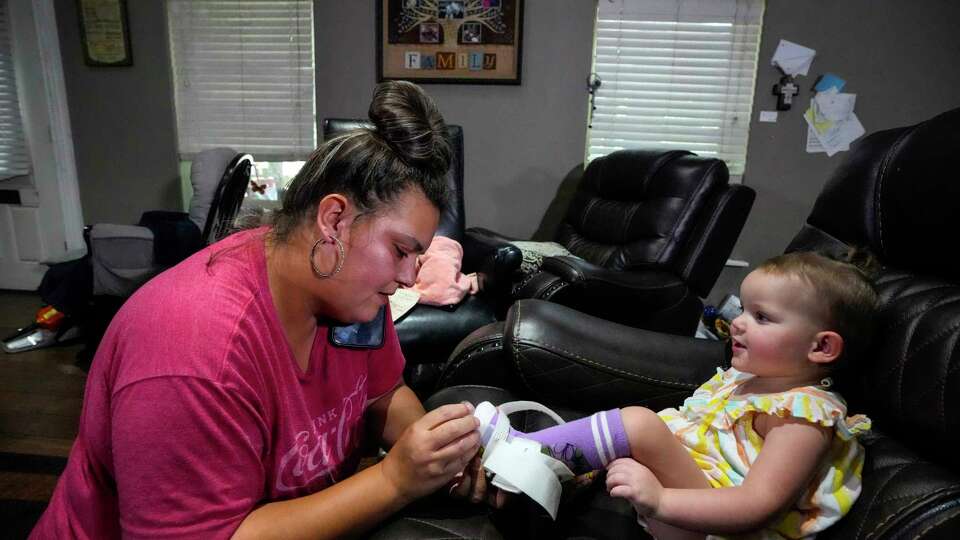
<point>432,450</point>
<point>472,484</point>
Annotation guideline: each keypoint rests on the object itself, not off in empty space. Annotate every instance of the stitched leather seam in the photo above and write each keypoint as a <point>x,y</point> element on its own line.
<point>477,348</point>
<point>694,196</point>
<point>515,346</point>
<point>702,240</point>
<point>586,210</point>
<point>943,517</point>
<point>898,368</point>
<point>454,536</point>
<point>912,496</point>
<point>935,338</point>
<point>890,517</point>
<point>897,514</point>
<point>872,500</point>
<point>942,383</point>
<point>603,367</point>
<point>627,222</point>
<point>554,289</point>
<point>882,176</point>
<point>925,344</point>
<point>912,314</point>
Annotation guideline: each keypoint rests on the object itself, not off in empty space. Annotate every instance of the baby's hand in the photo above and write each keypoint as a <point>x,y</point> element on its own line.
<point>634,482</point>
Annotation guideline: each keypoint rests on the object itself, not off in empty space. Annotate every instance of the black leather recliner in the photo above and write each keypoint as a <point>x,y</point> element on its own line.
<point>651,230</point>
<point>428,334</point>
<point>897,194</point>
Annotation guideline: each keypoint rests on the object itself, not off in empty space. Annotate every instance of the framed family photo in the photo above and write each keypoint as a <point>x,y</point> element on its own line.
<point>450,41</point>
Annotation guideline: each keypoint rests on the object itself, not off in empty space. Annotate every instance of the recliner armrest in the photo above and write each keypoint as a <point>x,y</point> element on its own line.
<point>715,238</point>
<point>613,284</point>
<point>653,299</point>
<point>567,358</point>
<point>492,257</point>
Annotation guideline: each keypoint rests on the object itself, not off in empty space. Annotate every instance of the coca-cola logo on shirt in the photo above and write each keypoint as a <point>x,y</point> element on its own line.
<point>319,451</point>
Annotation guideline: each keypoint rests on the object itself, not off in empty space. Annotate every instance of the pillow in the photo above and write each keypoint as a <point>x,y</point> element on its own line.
<point>534,252</point>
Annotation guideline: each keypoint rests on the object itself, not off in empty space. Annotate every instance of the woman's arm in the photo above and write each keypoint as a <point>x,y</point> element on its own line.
<point>428,453</point>
<point>388,416</point>
<point>792,453</point>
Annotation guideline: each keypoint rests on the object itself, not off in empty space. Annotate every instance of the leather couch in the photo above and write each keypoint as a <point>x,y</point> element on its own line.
<point>895,193</point>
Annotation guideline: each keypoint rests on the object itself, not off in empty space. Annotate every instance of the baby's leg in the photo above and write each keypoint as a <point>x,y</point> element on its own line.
<point>654,445</point>
<point>583,445</point>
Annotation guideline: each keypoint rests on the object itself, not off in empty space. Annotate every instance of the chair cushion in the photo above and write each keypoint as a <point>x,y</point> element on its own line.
<point>909,384</point>
<point>636,208</point>
<point>896,194</point>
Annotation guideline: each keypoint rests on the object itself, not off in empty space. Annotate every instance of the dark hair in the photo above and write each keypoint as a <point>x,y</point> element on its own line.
<point>845,290</point>
<point>407,148</point>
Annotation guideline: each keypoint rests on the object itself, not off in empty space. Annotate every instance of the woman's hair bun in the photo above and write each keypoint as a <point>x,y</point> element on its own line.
<point>408,120</point>
<point>863,260</point>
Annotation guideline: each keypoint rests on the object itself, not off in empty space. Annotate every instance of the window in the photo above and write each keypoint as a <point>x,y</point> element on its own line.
<point>14,159</point>
<point>675,74</point>
<point>244,78</point>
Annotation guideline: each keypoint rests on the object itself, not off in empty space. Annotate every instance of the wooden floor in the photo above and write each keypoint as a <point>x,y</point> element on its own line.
<point>41,392</point>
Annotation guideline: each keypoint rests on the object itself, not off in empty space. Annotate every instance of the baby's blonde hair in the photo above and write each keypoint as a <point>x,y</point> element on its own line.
<point>843,288</point>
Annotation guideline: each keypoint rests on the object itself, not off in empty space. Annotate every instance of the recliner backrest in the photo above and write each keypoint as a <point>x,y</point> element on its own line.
<point>651,209</point>
<point>452,220</point>
<point>898,194</point>
<point>227,198</point>
<point>206,171</point>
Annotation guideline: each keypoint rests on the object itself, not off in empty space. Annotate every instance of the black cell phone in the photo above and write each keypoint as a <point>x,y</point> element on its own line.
<point>368,335</point>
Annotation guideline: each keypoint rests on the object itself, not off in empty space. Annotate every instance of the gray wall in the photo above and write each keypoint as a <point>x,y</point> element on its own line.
<point>122,120</point>
<point>521,141</point>
<point>899,57</point>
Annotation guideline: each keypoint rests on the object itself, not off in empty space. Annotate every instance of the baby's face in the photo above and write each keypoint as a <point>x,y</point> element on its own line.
<point>777,330</point>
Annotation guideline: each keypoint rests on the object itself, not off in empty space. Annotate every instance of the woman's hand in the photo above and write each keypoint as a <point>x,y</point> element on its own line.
<point>636,483</point>
<point>432,450</point>
<point>472,484</point>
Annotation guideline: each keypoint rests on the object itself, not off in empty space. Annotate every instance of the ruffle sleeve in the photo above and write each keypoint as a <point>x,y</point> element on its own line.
<point>812,404</point>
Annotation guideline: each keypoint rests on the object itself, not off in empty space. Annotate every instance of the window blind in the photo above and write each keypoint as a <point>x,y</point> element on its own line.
<point>14,159</point>
<point>675,74</point>
<point>244,76</point>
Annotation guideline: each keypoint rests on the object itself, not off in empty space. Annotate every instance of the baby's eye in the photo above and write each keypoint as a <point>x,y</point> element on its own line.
<point>400,253</point>
<point>761,317</point>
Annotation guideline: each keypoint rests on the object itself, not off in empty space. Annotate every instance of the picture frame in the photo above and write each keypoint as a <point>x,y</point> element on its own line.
<point>450,41</point>
<point>105,33</point>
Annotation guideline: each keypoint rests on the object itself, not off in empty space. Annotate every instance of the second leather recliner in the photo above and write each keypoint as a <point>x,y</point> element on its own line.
<point>650,232</point>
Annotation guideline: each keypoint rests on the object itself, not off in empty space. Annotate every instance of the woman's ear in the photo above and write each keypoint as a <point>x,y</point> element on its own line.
<point>331,214</point>
<point>826,348</point>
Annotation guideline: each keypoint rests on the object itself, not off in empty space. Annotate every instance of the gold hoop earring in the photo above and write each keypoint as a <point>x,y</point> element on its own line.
<point>341,255</point>
<point>826,383</point>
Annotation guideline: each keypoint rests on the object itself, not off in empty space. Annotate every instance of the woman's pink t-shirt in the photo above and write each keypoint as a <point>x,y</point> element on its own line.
<point>195,411</point>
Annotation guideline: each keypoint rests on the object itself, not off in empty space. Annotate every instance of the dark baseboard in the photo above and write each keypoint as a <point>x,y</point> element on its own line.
<point>26,463</point>
<point>19,517</point>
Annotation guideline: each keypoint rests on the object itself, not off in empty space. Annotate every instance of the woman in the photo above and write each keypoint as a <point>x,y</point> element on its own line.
<point>217,404</point>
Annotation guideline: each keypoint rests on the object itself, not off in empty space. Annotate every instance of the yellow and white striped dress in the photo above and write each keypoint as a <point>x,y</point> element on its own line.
<point>716,426</point>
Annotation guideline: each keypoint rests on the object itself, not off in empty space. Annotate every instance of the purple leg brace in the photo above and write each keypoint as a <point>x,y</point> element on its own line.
<point>583,445</point>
